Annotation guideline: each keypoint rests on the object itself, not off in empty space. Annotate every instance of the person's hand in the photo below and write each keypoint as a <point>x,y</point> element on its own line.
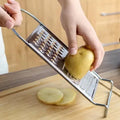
<point>75,23</point>
<point>10,14</point>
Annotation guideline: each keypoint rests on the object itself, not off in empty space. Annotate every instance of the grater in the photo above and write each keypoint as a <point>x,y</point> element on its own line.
<point>43,42</point>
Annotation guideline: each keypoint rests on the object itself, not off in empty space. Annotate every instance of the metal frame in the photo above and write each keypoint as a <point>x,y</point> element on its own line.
<point>61,72</point>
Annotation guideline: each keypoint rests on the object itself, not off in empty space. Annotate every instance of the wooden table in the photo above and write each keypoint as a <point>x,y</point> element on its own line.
<point>20,81</point>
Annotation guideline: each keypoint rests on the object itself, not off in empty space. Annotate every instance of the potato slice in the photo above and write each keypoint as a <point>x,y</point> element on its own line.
<point>50,95</point>
<point>69,96</point>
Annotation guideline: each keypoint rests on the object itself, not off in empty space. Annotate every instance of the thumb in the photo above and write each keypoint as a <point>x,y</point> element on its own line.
<point>5,19</point>
<point>72,42</point>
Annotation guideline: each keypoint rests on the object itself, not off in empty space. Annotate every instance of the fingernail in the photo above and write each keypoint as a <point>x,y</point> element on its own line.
<point>73,51</point>
<point>11,0</point>
<point>9,24</point>
<point>91,69</point>
<point>7,4</point>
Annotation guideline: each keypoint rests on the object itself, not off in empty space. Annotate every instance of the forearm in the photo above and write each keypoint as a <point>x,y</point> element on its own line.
<point>67,2</point>
<point>72,4</point>
<point>75,8</point>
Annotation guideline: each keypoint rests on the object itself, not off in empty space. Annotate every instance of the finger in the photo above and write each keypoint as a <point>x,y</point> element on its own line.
<point>72,42</point>
<point>5,19</point>
<point>12,8</point>
<point>98,59</point>
<point>14,11</point>
<point>92,40</point>
<point>11,1</point>
<point>95,64</point>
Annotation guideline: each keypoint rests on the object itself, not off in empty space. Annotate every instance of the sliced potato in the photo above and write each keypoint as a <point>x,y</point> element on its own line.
<point>69,96</point>
<point>50,95</point>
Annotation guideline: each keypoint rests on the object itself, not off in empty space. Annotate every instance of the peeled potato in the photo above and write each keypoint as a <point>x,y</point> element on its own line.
<point>50,95</point>
<point>79,64</point>
<point>69,96</point>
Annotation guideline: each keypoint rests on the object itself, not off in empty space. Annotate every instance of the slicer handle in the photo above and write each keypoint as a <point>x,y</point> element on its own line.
<point>31,15</point>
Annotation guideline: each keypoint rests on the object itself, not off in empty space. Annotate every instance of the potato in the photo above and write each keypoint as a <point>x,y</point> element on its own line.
<point>79,64</point>
<point>69,96</point>
<point>49,95</point>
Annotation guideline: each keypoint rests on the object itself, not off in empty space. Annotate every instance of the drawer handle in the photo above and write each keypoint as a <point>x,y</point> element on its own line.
<point>112,43</point>
<point>108,14</point>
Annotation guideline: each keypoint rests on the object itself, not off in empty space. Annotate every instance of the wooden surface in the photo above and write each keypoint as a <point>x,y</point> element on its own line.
<point>21,103</point>
<point>106,27</point>
<point>15,56</point>
<point>18,94</point>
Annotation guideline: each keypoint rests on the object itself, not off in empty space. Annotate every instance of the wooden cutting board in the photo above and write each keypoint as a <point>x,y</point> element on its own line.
<point>21,103</point>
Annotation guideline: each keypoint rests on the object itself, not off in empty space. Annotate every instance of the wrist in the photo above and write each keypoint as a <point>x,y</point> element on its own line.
<point>64,3</point>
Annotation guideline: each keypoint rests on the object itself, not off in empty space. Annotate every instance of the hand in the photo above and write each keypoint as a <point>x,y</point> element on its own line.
<point>75,23</point>
<point>10,14</point>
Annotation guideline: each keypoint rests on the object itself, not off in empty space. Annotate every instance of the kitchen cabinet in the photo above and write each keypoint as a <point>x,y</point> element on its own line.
<point>104,15</point>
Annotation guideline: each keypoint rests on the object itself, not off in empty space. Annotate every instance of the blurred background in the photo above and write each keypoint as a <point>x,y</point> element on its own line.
<point>21,57</point>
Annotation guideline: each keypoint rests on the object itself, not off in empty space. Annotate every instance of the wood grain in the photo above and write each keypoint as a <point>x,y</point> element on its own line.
<point>16,58</point>
<point>106,27</point>
<point>23,104</point>
<point>18,95</point>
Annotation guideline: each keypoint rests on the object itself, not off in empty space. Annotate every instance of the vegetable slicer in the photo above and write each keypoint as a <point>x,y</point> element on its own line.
<point>43,42</point>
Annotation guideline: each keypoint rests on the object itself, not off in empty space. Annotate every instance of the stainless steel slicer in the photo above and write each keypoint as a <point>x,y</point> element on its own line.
<point>43,42</point>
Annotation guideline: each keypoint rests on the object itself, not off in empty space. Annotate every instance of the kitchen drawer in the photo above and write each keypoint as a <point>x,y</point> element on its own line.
<point>105,18</point>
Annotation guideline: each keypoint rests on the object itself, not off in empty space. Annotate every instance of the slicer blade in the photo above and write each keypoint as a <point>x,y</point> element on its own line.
<point>54,52</point>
